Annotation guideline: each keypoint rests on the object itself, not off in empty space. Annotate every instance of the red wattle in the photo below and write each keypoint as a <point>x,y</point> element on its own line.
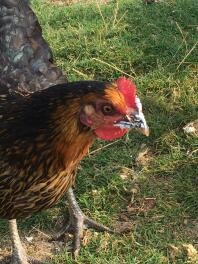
<point>110,133</point>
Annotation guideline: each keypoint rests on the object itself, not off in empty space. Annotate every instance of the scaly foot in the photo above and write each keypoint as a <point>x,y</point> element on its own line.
<point>78,222</point>
<point>19,255</point>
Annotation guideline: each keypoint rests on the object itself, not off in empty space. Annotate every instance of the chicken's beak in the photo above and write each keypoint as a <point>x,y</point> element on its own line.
<point>145,131</point>
<point>143,127</point>
<point>134,120</point>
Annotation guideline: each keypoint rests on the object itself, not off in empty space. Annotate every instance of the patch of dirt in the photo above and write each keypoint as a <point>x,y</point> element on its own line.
<point>123,227</point>
<point>144,156</point>
<point>141,206</point>
<point>37,246</point>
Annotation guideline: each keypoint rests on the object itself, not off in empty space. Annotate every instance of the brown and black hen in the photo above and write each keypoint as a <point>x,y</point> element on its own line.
<point>44,136</point>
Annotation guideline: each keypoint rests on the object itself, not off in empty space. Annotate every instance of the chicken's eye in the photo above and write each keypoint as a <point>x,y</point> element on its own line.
<point>107,109</point>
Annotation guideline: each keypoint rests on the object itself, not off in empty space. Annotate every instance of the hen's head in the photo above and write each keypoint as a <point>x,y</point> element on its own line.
<point>111,115</point>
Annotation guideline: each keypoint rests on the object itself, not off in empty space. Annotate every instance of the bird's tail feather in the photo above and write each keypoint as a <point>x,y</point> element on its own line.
<point>26,58</point>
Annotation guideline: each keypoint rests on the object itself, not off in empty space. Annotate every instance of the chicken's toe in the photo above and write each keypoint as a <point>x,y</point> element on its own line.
<point>78,223</point>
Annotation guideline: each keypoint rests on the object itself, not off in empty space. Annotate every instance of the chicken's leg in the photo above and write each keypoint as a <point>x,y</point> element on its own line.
<point>78,222</point>
<point>19,256</point>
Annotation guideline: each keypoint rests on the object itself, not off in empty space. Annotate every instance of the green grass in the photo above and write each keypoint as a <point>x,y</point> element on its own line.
<point>156,45</point>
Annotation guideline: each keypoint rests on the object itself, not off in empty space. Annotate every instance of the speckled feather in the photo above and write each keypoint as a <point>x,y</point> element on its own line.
<point>41,144</point>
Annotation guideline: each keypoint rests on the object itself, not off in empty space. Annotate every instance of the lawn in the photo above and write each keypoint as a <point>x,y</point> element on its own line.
<point>148,186</point>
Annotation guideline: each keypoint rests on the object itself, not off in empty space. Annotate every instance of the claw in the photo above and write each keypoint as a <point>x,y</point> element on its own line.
<point>90,223</point>
<point>76,228</point>
<point>79,222</point>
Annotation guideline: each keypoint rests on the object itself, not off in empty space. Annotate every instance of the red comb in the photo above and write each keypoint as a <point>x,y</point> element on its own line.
<point>128,89</point>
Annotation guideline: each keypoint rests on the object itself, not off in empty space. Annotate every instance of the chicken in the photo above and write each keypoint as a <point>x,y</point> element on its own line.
<point>45,134</point>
